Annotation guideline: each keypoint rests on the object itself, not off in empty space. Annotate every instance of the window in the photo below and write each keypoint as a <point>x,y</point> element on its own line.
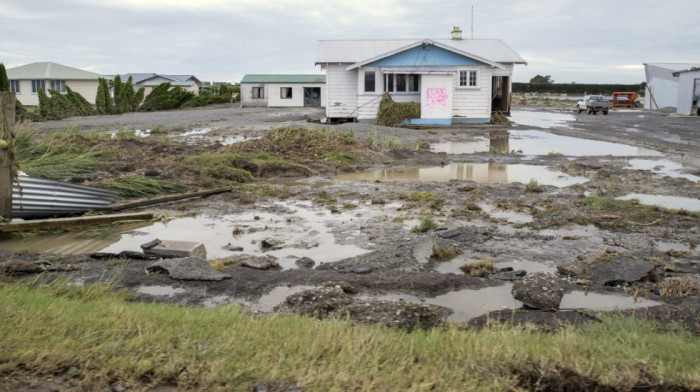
<point>370,79</point>
<point>58,85</point>
<point>258,92</point>
<point>285,92</point>
<point>14,86</point>
<point>401,83</point>
<point>467,79</point>
<point>38,85</point>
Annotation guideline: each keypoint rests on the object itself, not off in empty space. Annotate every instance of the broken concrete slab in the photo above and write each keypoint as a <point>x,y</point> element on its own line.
<point>620,270</point>
<point>541,290</point>
<point>423,250</point>
<point>187,268</point>
<point>450,233</point>
<point>175,249</point>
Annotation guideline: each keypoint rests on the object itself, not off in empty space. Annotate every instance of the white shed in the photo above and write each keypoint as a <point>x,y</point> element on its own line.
<point>283,91</point>
<point>455,80</point>
<point>674,85</point>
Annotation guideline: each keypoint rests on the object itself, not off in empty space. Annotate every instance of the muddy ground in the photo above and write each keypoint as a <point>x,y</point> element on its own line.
<point>536,230</point>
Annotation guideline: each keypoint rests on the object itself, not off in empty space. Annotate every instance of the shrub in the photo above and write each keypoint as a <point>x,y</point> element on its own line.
<point>393,114</point>
<point>163,97</point>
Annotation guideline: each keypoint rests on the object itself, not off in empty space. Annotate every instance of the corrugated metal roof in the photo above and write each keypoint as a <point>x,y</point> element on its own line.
<point>675,66</point>
<point>174,83</point>
<point>49,70</point>
<point>353,51</point>
<point>284,79</point>
<point>42,198</point>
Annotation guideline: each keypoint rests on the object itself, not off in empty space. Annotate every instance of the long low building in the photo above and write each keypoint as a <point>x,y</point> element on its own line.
<point>283,91</point>
<point>27,80</point>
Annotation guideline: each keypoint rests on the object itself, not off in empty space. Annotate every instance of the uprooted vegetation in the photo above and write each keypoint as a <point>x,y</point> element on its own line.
<point>395,114</point>
<point>130,344</point>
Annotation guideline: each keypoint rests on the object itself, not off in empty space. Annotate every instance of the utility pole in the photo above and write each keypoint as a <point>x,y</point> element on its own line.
<point>7,125</point>
<point>472,21</point>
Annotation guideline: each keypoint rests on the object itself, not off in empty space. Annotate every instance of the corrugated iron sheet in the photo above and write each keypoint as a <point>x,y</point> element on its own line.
<point>42,198</point>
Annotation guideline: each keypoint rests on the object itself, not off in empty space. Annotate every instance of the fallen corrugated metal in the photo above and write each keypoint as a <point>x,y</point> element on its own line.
<point>42,198</point>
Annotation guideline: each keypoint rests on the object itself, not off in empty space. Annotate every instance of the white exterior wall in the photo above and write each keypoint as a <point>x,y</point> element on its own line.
<point>86,88</point>
<point>664,93</point>
<point>297,100</point>
<point>247,95</point>
<point>473,102</point>
<point>342,91</point>
<point>686,91</point>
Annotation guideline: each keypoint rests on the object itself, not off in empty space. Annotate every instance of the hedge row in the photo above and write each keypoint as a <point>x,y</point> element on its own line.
<point>564,88</point>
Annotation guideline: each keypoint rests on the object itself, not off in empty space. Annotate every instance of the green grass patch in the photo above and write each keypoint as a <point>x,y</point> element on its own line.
<point>632,212</point>
<point>130,186</point>
<point>534,186</point>
<point>478,268</point>
<point>421,196</point>
<point>96,338</point>
<point>445,253</point>
<point>426,223</point>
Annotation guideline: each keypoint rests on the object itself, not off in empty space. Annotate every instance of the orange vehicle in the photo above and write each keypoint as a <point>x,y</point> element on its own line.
<point>626,99</point>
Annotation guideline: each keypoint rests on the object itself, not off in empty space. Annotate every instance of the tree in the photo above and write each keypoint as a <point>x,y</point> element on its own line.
<point>103,100</point>
<point>539,79</point>
<point>4,83</point>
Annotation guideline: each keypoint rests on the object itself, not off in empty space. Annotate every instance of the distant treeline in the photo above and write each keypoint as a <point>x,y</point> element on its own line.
<point>564,88</point>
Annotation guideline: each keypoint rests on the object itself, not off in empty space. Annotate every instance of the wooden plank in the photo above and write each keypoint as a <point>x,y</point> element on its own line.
<point>7,125</point>
<point>165,199</point>
<point>40,224</point>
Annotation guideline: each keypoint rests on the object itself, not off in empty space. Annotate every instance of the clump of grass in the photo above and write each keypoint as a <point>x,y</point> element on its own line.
<point>607,256</point>
<point>130,186</point>
<point>634,213</point>
<point>341,157</point>
<point>426,223</point>
<point>478,268</point>
<point>421,196</point>
<point>158,129</point>
<point>444,253</point>
<point>393,114</point>
<point>534,187</point>
<point>220,169</point>
<point>325,198</point>
<point>677,287</point>
<point>555,154</point>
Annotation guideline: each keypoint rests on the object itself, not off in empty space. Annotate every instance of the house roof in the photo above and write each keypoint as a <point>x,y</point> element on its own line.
<point>49,70</point>
<point>186,83</point>
<point>354,51</point>
<point>139,78</point>
<point>675,66</point>
<point>284,79</point>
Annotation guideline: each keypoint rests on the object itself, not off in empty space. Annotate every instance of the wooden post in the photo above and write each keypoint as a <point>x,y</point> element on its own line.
<point>7,125</point>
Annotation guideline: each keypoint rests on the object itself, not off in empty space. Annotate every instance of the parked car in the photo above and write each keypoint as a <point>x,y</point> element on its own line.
<point>594,104</point>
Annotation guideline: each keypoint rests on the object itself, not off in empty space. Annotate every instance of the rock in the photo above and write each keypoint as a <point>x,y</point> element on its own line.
<point>450,233</point>
<point>541,290</point>
<point>509,275</point>
<point>258,262</point>
<point>271,244</point>
<point>305,262</point>
<point>423,250</point>
<point>621,270</point>
<point>15,267</point>
<point>187,268</point>
<point>232,248</point>
<point>362,268</point>
<point>345,286</point>
<point>175,249</point>
<point>150,244</point>
<point>576,270</point>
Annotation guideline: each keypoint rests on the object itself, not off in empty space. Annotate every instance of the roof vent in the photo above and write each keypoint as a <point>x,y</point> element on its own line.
<point>456,33</point>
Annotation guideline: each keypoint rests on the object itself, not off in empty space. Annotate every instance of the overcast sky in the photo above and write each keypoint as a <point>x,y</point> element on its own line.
<point>584,41</point>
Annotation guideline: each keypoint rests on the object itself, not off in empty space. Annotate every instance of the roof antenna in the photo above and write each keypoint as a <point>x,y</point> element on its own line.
<point>472,21</point>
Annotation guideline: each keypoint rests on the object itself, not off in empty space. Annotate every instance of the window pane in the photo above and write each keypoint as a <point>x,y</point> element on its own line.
<point>389,83</point>
<point>369,81</point>
<point>462,78</point>
<point>285,92</point>
<point>472,78</point>
<point>413,82</point>
<point>400,82</point>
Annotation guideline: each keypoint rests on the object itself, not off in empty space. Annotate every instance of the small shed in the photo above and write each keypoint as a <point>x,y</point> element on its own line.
<point>283,91</point>
<point>674,85</point>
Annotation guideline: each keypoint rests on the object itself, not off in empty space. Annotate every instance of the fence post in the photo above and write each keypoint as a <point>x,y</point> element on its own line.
<point>7,125</point>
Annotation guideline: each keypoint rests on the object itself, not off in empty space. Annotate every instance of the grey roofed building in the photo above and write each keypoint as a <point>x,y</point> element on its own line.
<point>269,78</point>
<point>280,90</point>
<point>50,70</point>
<point>673,85</point>
<point>27,80</point>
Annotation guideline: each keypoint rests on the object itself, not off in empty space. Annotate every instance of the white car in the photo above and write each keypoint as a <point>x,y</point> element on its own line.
<point>593,104</point>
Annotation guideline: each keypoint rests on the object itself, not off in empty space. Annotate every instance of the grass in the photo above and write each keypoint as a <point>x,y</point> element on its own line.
<point>478,268</point>
<point>633,213</point>
<point>98,338</point>
<point>534,187</point>
<point>445,253</point>
<point>130,186</point>
<point>426,223</point>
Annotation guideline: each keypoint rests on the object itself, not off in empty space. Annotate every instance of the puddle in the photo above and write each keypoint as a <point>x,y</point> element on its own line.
<point>202,131</point>
<point>665,168</point>
<point>510,216</point>
<point>664,246</point>
<point>160,291</point>
<point>485,173</point>
<point>137,133</point>
<point>668,202</point>
<point>276,296</point>
<point>541,143</point>
<point>603,302</point>
<point>541,119</point>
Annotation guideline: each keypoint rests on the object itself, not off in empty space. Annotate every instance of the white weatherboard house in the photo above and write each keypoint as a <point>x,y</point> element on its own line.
<point>283,91</point>
<point>27,80</point>
<point>675,85</point>
<point>455,80</point>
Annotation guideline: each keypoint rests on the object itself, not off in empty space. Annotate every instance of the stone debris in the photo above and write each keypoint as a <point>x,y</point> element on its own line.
<point>187,268</point>
<point>621,270</point>
<point>423,250</point>
<point>258,262</point>
<point>16,267</point>
<point>362,268</point>
<point>176,249</point>
<point>541,290</point>
<point>450,233</point>
<point>305,262</point>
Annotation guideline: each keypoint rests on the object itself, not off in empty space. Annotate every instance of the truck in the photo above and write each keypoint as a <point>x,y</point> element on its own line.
<point>594,104</point>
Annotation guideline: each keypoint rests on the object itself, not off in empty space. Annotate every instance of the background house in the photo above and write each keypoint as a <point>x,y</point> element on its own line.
<point>674,85</point>
<point>455,80</point>
<point>283,90</point>
<point>151,80</point>
<point>26,80</point>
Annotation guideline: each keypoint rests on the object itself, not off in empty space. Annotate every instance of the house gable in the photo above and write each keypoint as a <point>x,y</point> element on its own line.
<point>426,55</point>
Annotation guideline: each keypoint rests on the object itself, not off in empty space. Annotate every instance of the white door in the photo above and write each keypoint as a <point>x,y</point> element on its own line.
<point>436,99</point>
